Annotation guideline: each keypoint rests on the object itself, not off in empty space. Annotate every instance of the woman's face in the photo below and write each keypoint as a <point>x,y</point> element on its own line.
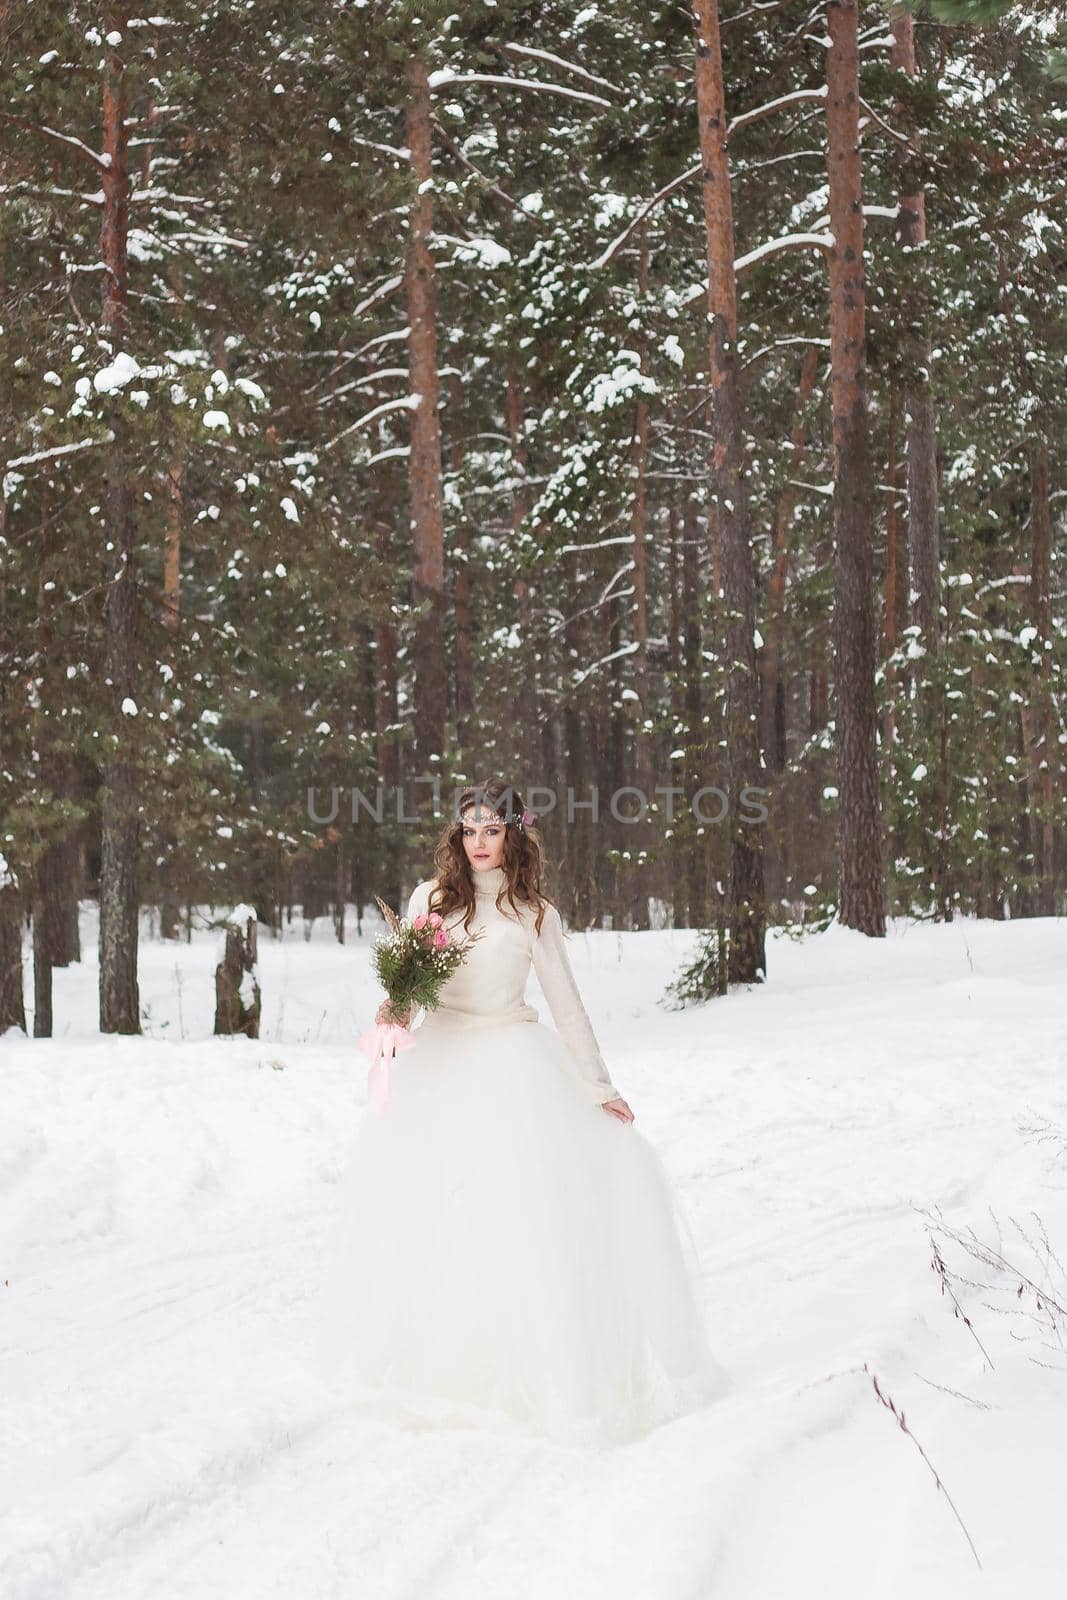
<point>483,839</point>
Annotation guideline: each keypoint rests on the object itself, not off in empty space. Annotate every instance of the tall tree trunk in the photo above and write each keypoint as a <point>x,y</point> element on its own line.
<point>66,880</point>
<point>119,822</point>
<point>172,540</point>
<point>771,661</point>
<point>57,874</point>
<point>696,734</point>
<point>526,735</point>
<point>677,766</point>
<point>387,697</point>
<point>462,595</point>
<point>747,910</point>
<point>639,833</point>
<point>427,493</point>
<point>861,894</point>
<point>579,835</point>
<point>12,1006</point>
<point>1039,729</point>
<point>924,535</point>
<point>626,880</point>
<point>169,902</point>
<point>42,960</point>
<point>895,580</point>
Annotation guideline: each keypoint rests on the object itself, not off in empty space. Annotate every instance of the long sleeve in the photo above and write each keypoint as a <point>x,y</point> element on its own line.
<point>552,966</point>
<point>418,901</point>
<point>419,898</point>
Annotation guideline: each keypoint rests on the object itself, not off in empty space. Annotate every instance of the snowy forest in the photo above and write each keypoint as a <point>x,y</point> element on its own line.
<point>658,407</point>
<point>634,399</point>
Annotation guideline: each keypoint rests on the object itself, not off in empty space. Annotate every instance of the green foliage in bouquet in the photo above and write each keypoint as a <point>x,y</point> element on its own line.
<point>416,958</point>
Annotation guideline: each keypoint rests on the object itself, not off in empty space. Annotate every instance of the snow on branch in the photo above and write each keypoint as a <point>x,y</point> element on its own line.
<point>445,78</point>
<point>595,544</point>
<point>369,381</point>
<point>826,489</point>
<point>578,678</point>
<point>52,191</point>
<point>784,101</point>
<point>397,152</point>
<point>394,453</point>
<point>609,588</point>
<point>762,8</point>
<point>777,344</point>
<point>764,252</point>
<point>776,247</point>
<point>568,66</point>
<point>211,238</point>
<point>892,132</point>
<point>59,450</point>
<point>798,97</point>
<point>102,162</point>
<point>617,243</point>
<point>390,286</point>
<point>892,212</point>
<point>407,402</point>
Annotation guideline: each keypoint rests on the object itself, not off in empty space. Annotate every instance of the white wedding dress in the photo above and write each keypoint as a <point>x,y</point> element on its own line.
<point>505,1252</point>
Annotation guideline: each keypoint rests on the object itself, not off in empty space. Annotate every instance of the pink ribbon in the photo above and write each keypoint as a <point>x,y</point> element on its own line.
<point>379,1042</point>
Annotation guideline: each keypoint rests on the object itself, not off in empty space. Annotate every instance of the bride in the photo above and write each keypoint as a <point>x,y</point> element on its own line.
<point>508,1250</point>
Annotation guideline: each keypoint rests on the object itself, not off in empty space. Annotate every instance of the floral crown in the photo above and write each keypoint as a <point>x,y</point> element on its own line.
<point>522,820</point>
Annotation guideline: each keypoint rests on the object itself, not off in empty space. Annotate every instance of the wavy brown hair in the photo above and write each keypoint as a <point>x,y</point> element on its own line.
<point>523,860</point>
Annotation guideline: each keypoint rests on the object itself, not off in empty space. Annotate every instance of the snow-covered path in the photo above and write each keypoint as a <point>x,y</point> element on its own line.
<point>163,1202</point>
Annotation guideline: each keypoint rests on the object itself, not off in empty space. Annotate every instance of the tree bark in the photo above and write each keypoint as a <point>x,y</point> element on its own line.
<point>861,892</point>
<point>924,534</point>
<point>386,648</point>
<point>426,486</point>
<point>1039,724</point>
<point>169,905</point>
<point>42,960</point>
<point>677,766</point>
<point>12,1006</point>
<point>895,581</point>
<point>525,734</point>
<point>639,515</point>
<point>638,834</point>
<point>696,899</point>
<point>747,910</point>
<point>580,855</point>
<point>771,661</point>
<point>119,822</point>
<point>462,597</point>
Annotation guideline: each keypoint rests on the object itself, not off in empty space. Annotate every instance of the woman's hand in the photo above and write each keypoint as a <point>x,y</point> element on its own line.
<point>385,1013</point>
<point>618,1108</point>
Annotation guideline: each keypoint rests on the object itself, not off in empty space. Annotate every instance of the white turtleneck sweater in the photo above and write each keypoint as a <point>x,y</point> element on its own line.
<point>490,986</point>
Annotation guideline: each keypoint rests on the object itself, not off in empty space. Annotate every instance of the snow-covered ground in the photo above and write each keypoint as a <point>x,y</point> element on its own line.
<point>163,1202</point>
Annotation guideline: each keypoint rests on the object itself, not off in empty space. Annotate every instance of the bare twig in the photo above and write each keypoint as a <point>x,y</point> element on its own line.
<point>886,1401</point>
<point>938,1266</point>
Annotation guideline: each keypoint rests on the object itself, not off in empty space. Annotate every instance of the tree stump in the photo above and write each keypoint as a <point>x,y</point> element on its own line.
<point>237,995</point>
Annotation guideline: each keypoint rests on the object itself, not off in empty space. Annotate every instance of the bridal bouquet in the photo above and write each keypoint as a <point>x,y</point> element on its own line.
<point>414,961</point>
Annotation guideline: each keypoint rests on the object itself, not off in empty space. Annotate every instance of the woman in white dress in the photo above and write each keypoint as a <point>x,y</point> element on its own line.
<point>508,1248</point>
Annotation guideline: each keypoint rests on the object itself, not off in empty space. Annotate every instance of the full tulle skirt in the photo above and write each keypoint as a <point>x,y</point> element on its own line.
<point>505,1253</point>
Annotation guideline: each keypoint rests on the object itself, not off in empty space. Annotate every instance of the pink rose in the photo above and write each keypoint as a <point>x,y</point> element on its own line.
<point>440,938</point>
<point>419,921</point>
<point>435,919</point>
